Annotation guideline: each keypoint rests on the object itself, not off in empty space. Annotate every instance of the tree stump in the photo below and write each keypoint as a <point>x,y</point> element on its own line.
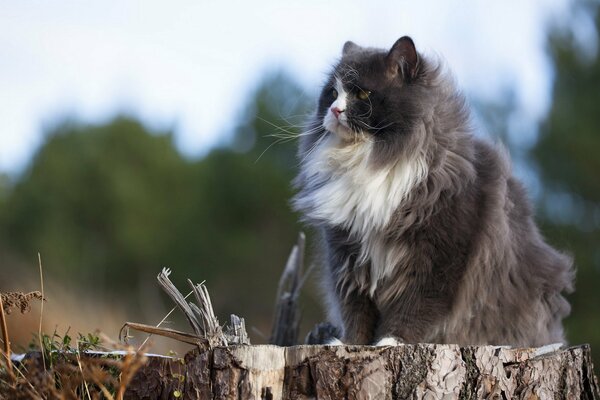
<point>408,371</point>
<point>419,371</point>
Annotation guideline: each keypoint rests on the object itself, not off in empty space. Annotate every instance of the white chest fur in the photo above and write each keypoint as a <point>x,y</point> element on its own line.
<point>351,192</point>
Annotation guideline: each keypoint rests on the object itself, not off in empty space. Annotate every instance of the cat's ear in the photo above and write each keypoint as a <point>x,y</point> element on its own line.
<point>403,58</point>
<point>349,47</point>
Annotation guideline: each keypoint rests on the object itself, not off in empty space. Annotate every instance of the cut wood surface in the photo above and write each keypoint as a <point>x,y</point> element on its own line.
<point>423,371</point>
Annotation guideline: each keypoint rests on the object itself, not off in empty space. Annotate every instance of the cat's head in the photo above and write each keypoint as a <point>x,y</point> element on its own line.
<point>376,95</point>
<point>388,121</point>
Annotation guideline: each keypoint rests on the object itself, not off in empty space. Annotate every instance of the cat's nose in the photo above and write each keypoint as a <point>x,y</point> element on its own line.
<point>336,112</point>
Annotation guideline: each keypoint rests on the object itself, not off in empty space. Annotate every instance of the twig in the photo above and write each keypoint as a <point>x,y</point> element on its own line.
<point>166,332</point>
<point>41,311</point>
<point>211,329</point>
<point>201,316</point>
<point>87,390</point>
<point>177,297</point>
<point>163,320</point>
<point>6,339</point>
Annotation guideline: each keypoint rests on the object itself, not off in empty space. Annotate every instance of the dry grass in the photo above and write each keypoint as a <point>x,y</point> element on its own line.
<point>58,366</point>
<point>62,367</point>
<point>59,370</point>
<point>71,375</point>
<point>19,300</point>
<point>9,302</point>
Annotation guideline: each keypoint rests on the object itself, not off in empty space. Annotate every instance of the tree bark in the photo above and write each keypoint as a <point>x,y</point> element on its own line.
<point>422,371</point>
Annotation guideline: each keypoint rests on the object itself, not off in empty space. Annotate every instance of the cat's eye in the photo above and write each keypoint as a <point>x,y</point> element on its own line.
<point>334,93</point>
<point>363,94</point>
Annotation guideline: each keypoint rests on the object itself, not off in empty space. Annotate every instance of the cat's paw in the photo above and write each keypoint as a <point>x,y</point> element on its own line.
<point>322,333</point>
<point>334,342</point>
<point>387,341</point>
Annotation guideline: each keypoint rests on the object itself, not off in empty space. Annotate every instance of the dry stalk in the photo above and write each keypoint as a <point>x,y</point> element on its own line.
<point>104,390</point>
<point>130,364</point>
<point>24,378</point>
<point>19,300</point>
<point>177,297</point>
<point>211,329</point>
<point>78,357</point>
<point>208,332</point>
<point>201,316</point>
<point>166,332</point>
<point>163,320</point>
<point>6,352</point>
<point>41,311</point>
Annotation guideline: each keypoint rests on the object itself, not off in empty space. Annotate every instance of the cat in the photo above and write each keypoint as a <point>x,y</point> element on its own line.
<point>426,234</point>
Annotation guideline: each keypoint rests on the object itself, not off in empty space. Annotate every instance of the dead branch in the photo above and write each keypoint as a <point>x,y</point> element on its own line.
<point>286,321</point>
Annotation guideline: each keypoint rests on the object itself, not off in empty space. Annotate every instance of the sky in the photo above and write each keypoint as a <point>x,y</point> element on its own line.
<point>188,65</point>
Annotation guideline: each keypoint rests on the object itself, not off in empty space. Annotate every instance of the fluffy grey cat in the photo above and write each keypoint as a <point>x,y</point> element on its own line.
<point>427,235</point>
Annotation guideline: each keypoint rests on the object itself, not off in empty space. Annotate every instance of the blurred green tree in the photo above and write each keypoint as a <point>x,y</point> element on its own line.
<point>108,205</point>
<point>568,164</point>
<point>90,203</point>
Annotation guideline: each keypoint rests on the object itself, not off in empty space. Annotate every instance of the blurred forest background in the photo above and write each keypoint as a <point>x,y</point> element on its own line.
<point>109,205</point>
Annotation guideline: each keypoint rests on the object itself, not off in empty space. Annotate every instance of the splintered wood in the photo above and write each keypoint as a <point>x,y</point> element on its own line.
<point>423,371</point>
<point>201,317</point>
<point>286,323</point>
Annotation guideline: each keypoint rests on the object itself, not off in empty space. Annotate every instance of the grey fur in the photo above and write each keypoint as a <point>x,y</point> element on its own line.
<point>466,263</point>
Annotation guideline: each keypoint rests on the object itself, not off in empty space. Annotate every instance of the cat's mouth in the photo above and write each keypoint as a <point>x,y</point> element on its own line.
<point>339,126</point>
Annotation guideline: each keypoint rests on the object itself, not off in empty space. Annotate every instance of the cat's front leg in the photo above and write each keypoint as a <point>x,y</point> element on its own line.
<point>349,305</point>
<point>359,317</point>
<point>412,318</point>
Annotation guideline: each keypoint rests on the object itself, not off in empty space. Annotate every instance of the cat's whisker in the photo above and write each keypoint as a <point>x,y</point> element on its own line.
<point>281,128</point>
<point>287,133</point>
<point>303,117</point>
<point>376,128</point>
<point>292,136</point>
<point>313,148</point>
<point>279,141</point>
<point>294,132</point>
<point>370,107</point>
<point>350,72</point>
